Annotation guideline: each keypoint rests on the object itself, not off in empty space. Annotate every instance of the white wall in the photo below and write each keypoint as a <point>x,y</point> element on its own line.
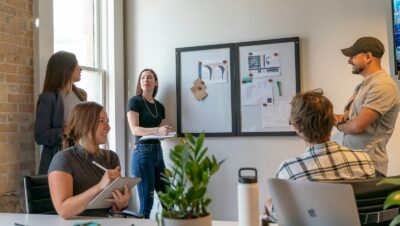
<point>154,28</point>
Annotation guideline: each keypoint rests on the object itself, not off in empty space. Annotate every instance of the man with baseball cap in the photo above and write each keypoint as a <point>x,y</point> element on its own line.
<point>370,115</point>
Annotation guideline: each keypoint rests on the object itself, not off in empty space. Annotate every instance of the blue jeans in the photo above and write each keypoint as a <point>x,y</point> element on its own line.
<point>148,164</point>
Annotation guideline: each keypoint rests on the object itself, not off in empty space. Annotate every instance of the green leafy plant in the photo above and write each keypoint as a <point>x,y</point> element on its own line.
<point>185,196</point>
<point>393,198</point>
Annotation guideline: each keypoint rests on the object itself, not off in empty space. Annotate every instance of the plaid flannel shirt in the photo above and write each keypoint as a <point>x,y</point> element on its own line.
<point>327,161</point>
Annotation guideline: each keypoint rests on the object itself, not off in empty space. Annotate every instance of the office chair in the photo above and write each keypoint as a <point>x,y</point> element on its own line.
<point>370,199</point>
<point>37,195</point>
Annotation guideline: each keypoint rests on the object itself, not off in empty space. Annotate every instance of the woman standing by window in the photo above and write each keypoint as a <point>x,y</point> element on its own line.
<point>58,98</point>
<point>147,116</point>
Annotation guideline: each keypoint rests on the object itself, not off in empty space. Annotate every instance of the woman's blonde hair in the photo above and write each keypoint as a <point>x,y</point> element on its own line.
<point>83,122</point>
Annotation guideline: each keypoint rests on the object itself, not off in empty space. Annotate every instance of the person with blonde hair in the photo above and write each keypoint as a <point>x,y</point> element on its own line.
<point>313,119</point>
<point>73,178</point>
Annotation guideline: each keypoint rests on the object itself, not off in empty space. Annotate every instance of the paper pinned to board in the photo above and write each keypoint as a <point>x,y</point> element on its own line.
<point>199,89</point>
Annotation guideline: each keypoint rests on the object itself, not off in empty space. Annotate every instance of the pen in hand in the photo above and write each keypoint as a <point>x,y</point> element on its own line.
<point>100,166</point>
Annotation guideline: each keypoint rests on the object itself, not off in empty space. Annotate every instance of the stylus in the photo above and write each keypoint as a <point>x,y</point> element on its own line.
<point>98,165</point>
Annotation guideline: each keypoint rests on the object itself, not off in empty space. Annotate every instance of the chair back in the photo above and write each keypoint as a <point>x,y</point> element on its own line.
<point>370,199</point>
<point>37,195</point>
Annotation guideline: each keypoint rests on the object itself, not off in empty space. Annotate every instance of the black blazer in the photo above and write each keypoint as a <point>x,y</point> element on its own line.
<point>49,127</point>
<point>49,122</point>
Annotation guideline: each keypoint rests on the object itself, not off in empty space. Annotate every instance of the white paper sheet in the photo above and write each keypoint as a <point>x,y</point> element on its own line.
<point>257,92</point>
<point>276,115</point>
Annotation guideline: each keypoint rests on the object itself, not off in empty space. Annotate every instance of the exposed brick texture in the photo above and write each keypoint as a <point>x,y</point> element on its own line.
<point>17,150</point>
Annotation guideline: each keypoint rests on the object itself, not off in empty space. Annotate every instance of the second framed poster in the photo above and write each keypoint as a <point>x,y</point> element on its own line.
<point>269,76</point>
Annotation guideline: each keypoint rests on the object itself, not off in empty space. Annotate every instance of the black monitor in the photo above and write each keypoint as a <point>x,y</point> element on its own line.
<point>396,34</point>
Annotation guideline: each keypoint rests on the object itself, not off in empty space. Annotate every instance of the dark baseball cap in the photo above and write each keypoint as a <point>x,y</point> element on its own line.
<point>365,45</point>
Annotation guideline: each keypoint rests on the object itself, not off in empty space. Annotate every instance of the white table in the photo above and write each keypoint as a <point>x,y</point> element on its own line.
<point>230,223</point>
<point>8,219</point>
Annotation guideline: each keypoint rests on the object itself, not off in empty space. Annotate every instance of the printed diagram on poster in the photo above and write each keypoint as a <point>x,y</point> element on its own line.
<point>265,63</point>
<point>276,115</point>
<point>213,71</point>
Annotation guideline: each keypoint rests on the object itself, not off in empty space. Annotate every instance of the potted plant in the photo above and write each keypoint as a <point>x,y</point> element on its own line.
<point>393,198</point>
<point>185,201</point>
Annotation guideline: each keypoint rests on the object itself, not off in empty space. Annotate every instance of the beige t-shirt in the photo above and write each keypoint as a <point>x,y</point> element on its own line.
<point>70,101</point>
<point>379,93</point>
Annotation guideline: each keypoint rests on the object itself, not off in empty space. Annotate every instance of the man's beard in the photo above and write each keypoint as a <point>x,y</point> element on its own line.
<point>357,70</point>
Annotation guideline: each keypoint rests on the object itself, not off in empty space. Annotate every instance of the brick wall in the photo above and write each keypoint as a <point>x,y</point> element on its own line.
<point>17,152</point>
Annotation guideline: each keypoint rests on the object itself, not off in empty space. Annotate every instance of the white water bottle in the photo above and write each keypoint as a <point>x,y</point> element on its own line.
<point>248,211</point>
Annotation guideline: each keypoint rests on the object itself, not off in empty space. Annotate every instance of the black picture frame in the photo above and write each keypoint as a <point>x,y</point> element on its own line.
<point>228,114</point>
<point>288,51</point>
<point>188,67</point>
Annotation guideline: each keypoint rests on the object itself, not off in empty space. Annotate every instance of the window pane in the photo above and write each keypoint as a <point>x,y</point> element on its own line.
<point>74,29</point>
<point>91,82</point>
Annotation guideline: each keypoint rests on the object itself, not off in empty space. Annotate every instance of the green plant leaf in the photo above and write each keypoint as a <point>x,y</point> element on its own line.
<point>389,181</point>
<point>200,192</point>
<point>190,138</point>
<point>201,155</point>
<point>199,143</point>
<point>395,221</point>
<point>392,199</point>
<point>187,180</point>
<point>205,178</point>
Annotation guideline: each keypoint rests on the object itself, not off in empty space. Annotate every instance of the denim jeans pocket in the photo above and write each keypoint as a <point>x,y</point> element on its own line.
<point>143,148</point>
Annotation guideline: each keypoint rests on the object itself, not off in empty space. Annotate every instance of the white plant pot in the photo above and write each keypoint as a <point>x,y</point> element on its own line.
<point>203,221</point>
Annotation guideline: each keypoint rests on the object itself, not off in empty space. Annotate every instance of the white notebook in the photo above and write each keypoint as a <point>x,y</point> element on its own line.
<point>99,201</point>
<point>154,136</point>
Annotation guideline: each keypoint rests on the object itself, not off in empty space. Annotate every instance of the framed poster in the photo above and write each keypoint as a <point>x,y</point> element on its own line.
<point>268,78</point>
<point>206,90</point>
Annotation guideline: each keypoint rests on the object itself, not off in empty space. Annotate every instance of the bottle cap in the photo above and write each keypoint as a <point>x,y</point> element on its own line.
<point>248,179</point>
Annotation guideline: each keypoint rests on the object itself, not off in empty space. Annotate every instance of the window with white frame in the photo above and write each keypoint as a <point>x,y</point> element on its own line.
<point>77,30</point>
<point>93,31</point>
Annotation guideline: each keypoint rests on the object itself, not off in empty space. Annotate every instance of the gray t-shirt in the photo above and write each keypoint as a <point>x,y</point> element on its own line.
<point>379,93</point>
<point>78,163</point>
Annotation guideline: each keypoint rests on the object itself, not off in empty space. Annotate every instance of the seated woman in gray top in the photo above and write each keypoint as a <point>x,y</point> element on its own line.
<point>73,179</point>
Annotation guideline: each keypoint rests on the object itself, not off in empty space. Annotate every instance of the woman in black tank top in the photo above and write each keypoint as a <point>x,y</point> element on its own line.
<point>147,116</point>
